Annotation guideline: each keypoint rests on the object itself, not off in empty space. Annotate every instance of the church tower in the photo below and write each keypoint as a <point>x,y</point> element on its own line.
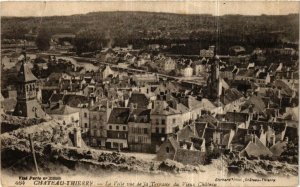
<point>27,105</point>
<point>213,82</point>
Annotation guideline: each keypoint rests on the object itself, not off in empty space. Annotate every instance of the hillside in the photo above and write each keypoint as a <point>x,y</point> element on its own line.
<point>143,27</point>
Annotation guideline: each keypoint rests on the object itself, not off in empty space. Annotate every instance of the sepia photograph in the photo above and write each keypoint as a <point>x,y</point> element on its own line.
<point>149,93</point>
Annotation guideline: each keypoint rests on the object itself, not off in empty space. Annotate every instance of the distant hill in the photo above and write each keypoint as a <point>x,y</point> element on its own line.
<point>120,28</point>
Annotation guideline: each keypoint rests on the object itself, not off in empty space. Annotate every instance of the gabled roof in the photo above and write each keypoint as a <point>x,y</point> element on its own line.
<point>200,128</point>
<point>186,134</point>
<point>256,149</point>
<point>257,103</point>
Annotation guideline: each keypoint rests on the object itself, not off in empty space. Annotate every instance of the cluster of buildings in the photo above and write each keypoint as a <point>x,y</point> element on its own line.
<point>244,108</point>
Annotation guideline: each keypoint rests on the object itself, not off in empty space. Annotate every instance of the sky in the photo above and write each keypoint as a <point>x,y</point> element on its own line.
<point>55,8</point>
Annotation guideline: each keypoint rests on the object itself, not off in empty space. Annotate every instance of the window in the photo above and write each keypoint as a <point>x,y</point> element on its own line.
<point>163,121</point>
<point>167,149</point>
<point>157,130</point>
<point>117,127</point>
<point>124,128</point>
<point>157,121</point>
<point>163,130</point>
<point>85,115</point>
<point>95,117</point>
<point>110,127</point>
<point>174,120</point>
<point>145,131</point>
<point>86,125</point>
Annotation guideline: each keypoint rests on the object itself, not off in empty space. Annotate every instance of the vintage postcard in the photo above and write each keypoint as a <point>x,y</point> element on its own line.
<point>149,94</point>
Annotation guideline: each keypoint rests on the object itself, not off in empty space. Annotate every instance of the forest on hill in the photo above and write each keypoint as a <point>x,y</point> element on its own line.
<point>100,29</point>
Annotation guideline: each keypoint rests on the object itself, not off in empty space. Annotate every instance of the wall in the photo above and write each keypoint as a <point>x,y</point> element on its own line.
<point>162,152</point>
<point>190,157</point>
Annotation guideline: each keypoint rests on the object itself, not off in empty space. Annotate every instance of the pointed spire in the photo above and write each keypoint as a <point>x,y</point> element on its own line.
<point>25,74</point>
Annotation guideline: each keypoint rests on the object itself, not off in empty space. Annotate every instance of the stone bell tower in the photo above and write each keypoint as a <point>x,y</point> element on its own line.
<point>27,105</point>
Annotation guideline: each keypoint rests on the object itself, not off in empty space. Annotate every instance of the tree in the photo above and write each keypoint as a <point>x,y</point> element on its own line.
<point>43,40</point>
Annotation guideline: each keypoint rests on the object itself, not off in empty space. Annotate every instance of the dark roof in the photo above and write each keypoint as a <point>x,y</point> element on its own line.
<point>208,134</point>
<point>239,137</point>
<point>231,95</point>
<point>200,128</point>
<point>25,74</point>
<point>262,75</point>
<point>236,117</point>
<point>55,97</point>
<point>226,126</point>
<point>140,99</point>
<point>46,94</point>
<point>75,100</point>
<point>119,116</point>
<point>209,119</point>
<point>197,142</point>
<point>140,116</point>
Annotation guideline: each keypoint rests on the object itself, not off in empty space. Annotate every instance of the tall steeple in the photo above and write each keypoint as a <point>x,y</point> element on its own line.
<point>27,105</point>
